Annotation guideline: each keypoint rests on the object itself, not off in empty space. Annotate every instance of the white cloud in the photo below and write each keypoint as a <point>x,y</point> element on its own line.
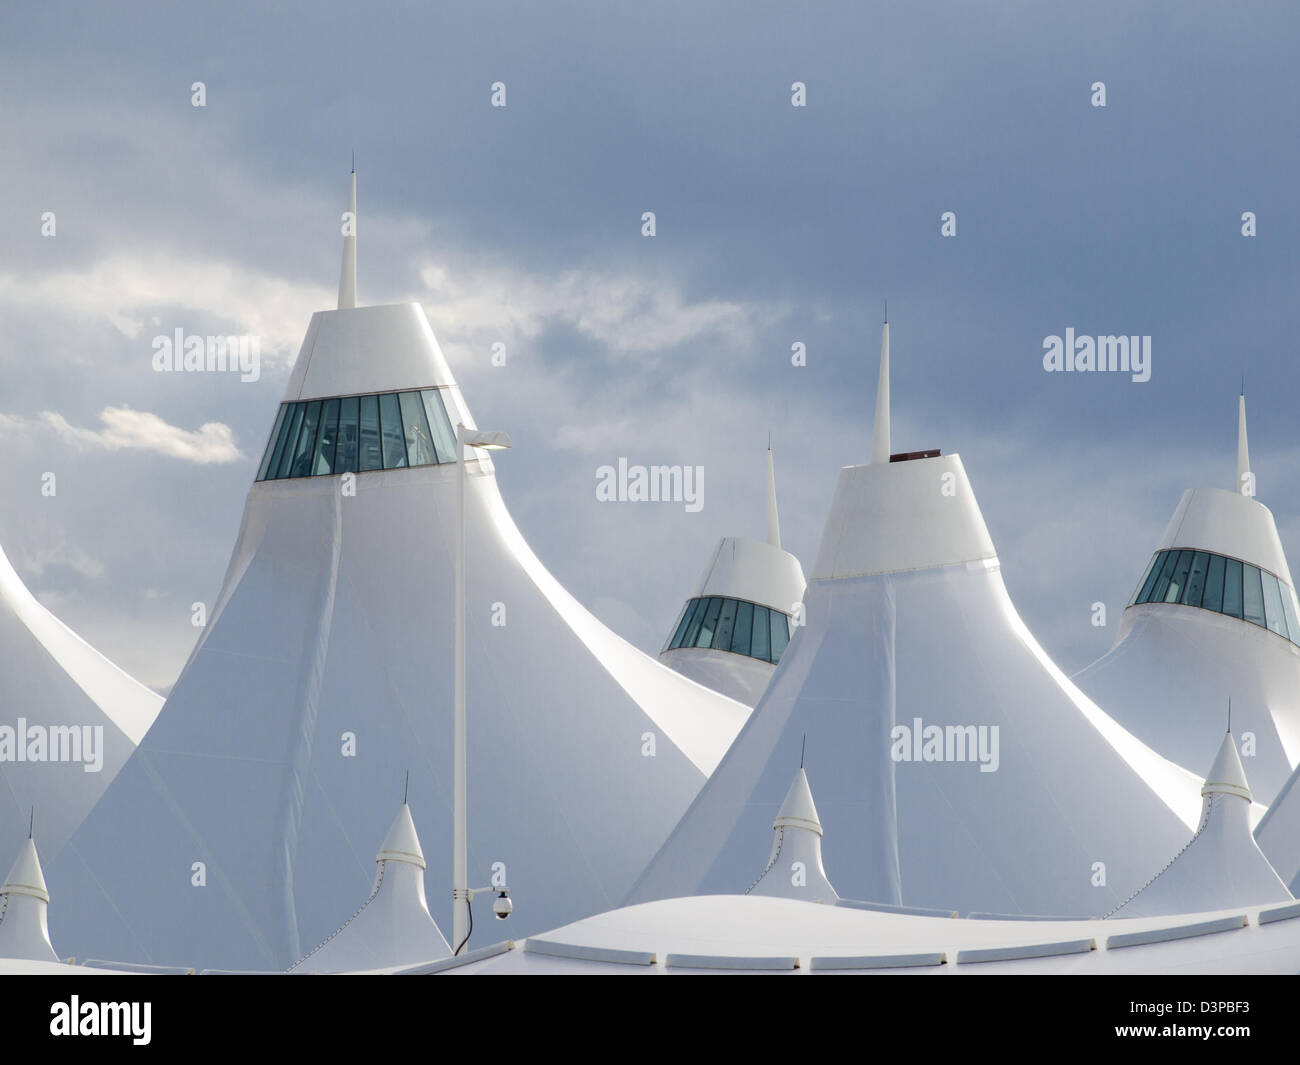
<point>131,292</point>
<point>54,550</point>
<point>133,430</point>
<point>629,315</point>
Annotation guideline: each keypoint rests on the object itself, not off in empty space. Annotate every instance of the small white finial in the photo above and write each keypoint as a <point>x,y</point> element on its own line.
<point>348,275</point>
<point>1245,479</point>
<point>880,432</point>
<point>773,518</point>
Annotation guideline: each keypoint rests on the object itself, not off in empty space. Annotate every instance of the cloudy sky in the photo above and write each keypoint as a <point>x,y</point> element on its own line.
<point>775,225</point>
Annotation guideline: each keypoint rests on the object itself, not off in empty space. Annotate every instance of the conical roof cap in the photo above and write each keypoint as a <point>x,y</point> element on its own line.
<point>1226,776</point>
<point>26,878</point>
<point>402,844</point>
<point>798,810</point>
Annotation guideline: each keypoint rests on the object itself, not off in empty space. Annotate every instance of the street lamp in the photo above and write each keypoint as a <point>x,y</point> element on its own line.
<point>461,895</point>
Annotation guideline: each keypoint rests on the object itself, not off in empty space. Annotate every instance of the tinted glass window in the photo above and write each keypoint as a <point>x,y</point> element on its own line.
<point>290,438</point>
<point>727,624</point>
<point>270,444</point>
<point>705,638</point>
<point>734,625</point>
<point>687,615</point>
<point>1232,587</point>
<point>355,434</point>
<point>346,460</point>
<point>327,438</point>
<point>1178,581</point>
<point>1288,608</point>
<point>697,619</point>
<point>1162,582</point>
<point>1273,615</point>
<point>281,444</point>
<point>391,431</point>
<point>1252,595</point>
<point>306,445</point>
<point>444,437</point>
<point>1196,579</point>
<point>744,626</point>
<point>1213,599</point>
<point>1149,578</point>
<point>1225,585</point>
<point>780,634</point>
<point>371,455</point>
<point>419,442</point>
<point>760,644</point>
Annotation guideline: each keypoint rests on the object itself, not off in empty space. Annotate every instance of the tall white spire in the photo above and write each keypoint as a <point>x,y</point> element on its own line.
<point>773,519</point>
<point>348,275</point>
<point>1245,482</point>
<point>880,434</point>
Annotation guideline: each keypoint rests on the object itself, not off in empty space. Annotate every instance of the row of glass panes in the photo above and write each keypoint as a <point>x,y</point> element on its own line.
<point>1224,585</point>
<point>353,434</point>
<point>732,625</point>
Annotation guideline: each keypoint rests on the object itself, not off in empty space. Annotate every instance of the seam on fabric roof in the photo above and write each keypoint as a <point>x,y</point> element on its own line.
<point>1205,821</point>
<point>307,365</point>
<point>776,853</point>
<point>379,879</point>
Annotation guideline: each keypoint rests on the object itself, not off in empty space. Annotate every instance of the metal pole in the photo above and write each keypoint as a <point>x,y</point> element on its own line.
<point>460,879</point>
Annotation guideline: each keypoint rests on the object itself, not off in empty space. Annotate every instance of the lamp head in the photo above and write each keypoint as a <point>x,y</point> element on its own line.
<point>481,438</point>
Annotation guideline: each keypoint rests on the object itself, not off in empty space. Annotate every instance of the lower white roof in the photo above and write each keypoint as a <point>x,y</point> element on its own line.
<point>773,935</point>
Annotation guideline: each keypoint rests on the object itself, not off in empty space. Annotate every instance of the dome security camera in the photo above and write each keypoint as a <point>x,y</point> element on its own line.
<point>502,907</point>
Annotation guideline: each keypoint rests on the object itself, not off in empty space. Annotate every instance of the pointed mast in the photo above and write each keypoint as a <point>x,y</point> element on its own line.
<point>773,518</point>
<point>1244,485</point>
<point>880,433</point>
<point>348,275</point>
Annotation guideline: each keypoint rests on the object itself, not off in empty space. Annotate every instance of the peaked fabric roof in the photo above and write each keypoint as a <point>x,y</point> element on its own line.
<point>393,926</point>
<point>1221,866</point>
<point>1173,666</point>
<point>70,719</point>
<point>795,870</point>
<point>325,671</point>
<point>24,931</point>
<point>959,767</point>
<point>1278,833</point>
<point>402,844</point>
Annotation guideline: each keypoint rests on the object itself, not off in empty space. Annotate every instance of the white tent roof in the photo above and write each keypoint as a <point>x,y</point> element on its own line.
<point>368,349</point>
<point>751,571</point>
<point>795,870</point>
<point>1174,667</point>
<point>910,635</point>
<point>1278,833</point>
<point>394,926</point>
<point>54,680</point>
<point>1221,866</point>
<point>326,670</point>
<point>24,899</point>
<point>917,631</point>
<point>771,936</point>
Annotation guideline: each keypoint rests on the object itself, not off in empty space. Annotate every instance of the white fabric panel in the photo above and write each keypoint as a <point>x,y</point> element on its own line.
<point>945,646</point>
<point>1227,523</point>
<point>54,679</point>
<point>1169,677</point>
<point>336,617</point>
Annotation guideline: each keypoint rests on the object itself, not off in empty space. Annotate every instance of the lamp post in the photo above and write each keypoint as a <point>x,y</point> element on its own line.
<point>460,893</point>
